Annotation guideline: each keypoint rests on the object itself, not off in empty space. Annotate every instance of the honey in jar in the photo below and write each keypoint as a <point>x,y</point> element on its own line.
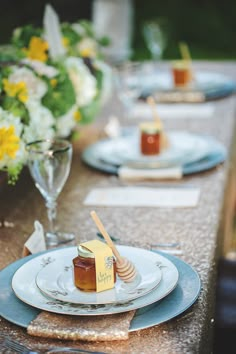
<point>182,74</point>
<point>85,269</point>
<point>150,138</point>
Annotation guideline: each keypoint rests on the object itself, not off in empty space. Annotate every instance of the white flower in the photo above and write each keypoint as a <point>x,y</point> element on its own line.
<point>7,121</point>
<point>41,122</point>
<point>36,87</point>
<point>41,68</point>
<point>87,47</point>
<point>83,81</point>
<point>66,123</point>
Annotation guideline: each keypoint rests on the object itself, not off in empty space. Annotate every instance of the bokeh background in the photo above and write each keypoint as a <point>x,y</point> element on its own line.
<point>208,26</point>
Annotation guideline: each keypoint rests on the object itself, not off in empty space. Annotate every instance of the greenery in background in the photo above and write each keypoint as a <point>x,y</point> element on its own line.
<point>208,26</point>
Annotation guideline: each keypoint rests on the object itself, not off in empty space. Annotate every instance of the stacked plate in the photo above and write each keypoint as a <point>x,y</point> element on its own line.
<point>205,86</point>
<point>166,286</point>
<point>191,152</point>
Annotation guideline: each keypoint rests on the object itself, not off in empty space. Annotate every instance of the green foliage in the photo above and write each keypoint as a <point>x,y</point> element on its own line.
<point>70,34</point>
<point>17,108</point>
<point>59,99</point>
<point>99,79</point>
<point>13,173</point>
<point>9,53</point>
<point>21,36</point>
<point>89,112</point>
<point>104,41</point>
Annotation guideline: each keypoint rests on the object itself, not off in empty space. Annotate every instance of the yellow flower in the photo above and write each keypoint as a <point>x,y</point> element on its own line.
<point>87,52</point>
<point>53,82</point>
<point>16,89</point>
<point>9,142</point>
<point>65,42</point>
<point>77,116</point>
<point>37,49</point>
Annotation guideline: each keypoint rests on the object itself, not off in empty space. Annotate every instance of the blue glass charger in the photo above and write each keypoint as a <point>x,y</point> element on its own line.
<point>207,86</point>
<point>178,301</point>
<point>216,155</point>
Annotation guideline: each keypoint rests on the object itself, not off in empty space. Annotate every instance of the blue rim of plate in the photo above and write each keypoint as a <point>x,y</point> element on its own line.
<point>174,304</point>
<point>214,158</point>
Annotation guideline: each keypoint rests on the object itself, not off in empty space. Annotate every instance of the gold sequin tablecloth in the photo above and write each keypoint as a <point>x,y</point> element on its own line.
<point>203,231</point>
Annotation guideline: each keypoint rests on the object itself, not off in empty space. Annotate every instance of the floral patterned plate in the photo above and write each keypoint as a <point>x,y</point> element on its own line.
<point>56,280</point>
<point>25,288</point>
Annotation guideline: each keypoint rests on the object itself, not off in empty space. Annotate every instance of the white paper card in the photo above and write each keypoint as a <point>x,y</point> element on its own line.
<point>134,174</point>
<point>172,111</point>
<point>144,197</point>
<point>36,242</point>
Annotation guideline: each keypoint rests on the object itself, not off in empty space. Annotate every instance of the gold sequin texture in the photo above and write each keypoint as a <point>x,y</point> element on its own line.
<point>87,328</point>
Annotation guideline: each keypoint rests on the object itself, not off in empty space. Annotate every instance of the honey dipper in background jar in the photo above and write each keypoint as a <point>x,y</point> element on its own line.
<point>182,71</point>
<point>152,137</point>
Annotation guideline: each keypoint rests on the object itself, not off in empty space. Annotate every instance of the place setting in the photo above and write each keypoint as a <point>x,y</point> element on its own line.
<point>51,295</point>
<point>180,82</point>
<point>168,86</point>
<point>148,151</point>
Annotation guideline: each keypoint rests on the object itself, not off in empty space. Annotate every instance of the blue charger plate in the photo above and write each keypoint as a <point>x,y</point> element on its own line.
<point>208,86</point>
<point>217,155</point>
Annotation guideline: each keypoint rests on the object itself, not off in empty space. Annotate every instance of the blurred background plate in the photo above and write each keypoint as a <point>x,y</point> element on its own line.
<point>183,147</point>
<point>216,155</point>
<point>206,86</point>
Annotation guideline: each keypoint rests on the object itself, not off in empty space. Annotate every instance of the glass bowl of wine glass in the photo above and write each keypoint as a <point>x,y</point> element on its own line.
<point>49,163</point>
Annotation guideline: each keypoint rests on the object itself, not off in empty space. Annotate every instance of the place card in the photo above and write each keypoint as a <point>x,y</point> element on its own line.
<point>36,242</point>
<point>103,264</point>
<point>173,197</point>
<point>181,110</point>
<point>126,173</point>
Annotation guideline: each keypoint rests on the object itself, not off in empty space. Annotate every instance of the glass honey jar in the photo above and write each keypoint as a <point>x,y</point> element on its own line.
<point>182,74</point>
<point>85,270</point>
<point>150,138</point>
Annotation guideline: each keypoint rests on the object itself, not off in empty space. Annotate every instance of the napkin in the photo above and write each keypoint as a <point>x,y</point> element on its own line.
<point>87,328</point>
<point>171,111</point>
<point>144,197</point>
<point>138,174</point>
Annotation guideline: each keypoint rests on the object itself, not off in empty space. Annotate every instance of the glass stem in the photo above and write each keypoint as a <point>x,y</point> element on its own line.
<point>52,214</point>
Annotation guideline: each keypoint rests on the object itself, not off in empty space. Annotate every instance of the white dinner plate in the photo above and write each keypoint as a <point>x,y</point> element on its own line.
<point>25,288</point>
<point>56,280</point>
<point>183,147</point>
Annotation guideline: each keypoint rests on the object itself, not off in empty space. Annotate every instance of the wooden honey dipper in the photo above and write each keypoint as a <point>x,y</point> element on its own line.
<point>164,140</point>
<point>124,267</point>
<point>151,102</point>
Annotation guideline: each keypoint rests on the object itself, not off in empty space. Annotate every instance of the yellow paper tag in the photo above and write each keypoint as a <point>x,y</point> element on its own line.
<point>103,263</point>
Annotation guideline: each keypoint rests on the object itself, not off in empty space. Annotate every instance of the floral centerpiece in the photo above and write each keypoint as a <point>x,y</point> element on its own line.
<point>50,85</point>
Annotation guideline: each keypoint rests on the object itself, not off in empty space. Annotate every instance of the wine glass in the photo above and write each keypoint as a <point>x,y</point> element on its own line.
<point>155,34</point>
<point>49,163</point>
<point>128,84</point>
